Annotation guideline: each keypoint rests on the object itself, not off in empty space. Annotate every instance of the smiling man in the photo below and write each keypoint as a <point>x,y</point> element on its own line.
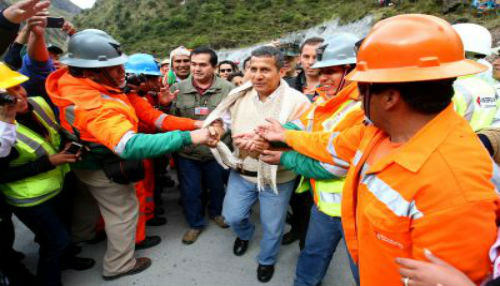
<point>199,94</point>
<point>267,96</point>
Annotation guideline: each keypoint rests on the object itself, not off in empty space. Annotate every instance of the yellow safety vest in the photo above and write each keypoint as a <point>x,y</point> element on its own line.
<point>30,145</point>
<point>476,100</point>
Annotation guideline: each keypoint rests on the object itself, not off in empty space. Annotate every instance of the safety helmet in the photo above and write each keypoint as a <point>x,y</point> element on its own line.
<point>165,62</point>
<point>10,78</point>
<point>142,64</point>
<point>93,48</point>
<point>412,47</point>
<point>476,39</point>
<point>337,51</point>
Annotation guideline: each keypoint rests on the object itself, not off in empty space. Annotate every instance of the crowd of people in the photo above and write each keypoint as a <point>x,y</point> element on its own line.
<point>389,143</point>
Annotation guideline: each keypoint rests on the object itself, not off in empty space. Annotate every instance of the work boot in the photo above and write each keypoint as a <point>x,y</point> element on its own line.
<point>156,221</point>
<point>289,238</point>
<point>240,246</point>
<point>78,263</point>
<point>219,220</point>
<point>148,242</point>
<point>141,264</point>
<point>191,236</point>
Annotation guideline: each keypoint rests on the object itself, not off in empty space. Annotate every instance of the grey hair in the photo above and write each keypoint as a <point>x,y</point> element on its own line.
<point>270,52</point>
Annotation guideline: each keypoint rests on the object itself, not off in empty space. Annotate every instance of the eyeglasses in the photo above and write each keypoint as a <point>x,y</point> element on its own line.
<point>226,70</point>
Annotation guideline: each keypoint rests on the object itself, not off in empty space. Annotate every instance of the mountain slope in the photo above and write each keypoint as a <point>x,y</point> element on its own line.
<point>157,26</point>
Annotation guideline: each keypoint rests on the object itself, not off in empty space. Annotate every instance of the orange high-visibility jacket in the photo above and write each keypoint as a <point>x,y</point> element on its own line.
<point>101,114</point>
<point>436,192</point>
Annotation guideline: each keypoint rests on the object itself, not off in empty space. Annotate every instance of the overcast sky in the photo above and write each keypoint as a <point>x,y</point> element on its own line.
<point>84,3</point>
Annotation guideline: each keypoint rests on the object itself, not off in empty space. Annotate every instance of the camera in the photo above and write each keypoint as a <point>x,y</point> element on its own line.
<point>133,79</point>
<point>55,22</point>
<point>6,98</point>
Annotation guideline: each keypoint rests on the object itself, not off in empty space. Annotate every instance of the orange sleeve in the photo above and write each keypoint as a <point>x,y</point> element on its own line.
<point>336,148</point>
<point>153,117</point>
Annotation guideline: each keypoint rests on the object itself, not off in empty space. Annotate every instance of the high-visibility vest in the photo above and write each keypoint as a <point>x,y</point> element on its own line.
<point>327,194</point>
<point>476,100</point>
<point>30,145</point>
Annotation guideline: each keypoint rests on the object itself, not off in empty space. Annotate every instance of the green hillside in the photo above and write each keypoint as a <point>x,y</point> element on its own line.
<point>157,26</point>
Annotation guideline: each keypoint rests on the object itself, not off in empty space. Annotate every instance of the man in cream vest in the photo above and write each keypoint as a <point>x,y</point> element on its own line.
<point>266,95</point>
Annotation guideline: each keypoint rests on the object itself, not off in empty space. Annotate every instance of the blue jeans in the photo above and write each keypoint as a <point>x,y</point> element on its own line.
<point>323,236</point>
<point>194,177</point>
<point>240,197</point>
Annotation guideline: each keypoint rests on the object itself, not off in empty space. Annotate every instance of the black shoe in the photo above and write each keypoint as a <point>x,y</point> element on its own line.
<point>265,272</point>
<point>289,238</point>
<point>99,236</point>
<point>240,246</point>
<point>142,263</point>
<point>74,249</point>
<point>150,241</point>
<point>156,221</point>
<point>167,182</point>
<point>159,211</point>
<point>79,263</point>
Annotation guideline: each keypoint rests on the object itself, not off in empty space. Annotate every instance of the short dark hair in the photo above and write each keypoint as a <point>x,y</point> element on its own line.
<point>79,72</point>
<point>233,75</point>
<point>271,52</point>
<point>311,41</point>
<point>206,50</point>
<point>232,64</point>
<point>427,97</point>
<point>245,62</point>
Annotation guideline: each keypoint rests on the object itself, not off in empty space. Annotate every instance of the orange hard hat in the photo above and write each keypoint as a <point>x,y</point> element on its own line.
<point>412,47</point>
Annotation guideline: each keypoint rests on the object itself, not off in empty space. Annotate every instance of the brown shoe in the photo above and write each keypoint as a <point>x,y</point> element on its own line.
<point>219,220</point>
<point>141,264</point>
<point>191,236</point>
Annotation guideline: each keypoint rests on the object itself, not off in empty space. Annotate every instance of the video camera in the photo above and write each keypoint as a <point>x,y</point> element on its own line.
<point>133,79</point>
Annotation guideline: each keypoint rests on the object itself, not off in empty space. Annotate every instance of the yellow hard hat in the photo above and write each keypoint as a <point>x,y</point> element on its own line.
<point>10,78</point>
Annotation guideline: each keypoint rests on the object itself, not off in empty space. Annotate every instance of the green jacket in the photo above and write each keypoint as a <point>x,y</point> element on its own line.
<point>189,100</point>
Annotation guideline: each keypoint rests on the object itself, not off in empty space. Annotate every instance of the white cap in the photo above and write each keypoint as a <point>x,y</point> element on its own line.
<point>180,51</point>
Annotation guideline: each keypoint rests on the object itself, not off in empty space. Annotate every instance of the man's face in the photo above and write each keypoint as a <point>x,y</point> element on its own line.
<point>22,98</point>
<point>264,74</point>
<point>290,65</point>
<point>201,69</point>
<point>111,76</point>
<point>181,66</point>
<point>164,69</point>
<point>225,70</point>
<point>330,78</point>
<point>55,59</point>
<point>308,58</point>
<point>237,80</point>
<point>496,68</point>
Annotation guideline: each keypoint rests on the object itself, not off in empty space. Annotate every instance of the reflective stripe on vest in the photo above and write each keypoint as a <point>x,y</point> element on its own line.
<point>328,193</point>
<point>31,146</point>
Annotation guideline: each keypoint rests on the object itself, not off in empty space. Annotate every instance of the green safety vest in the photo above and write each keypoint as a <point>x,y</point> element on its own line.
<point>327,193</point>
<point>37,189</point>
<point>475,100</point>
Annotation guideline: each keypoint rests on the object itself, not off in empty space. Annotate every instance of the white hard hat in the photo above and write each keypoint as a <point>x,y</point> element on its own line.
<point>476,39</point>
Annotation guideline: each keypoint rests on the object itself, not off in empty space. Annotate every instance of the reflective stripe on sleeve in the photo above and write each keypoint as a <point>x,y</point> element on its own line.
<point>159,121</point>
<point>120,147</point>
<point>337,171</point>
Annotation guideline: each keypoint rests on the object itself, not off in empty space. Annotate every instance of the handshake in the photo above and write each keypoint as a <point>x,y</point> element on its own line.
<point>209,135</point>
<point>257,144</point>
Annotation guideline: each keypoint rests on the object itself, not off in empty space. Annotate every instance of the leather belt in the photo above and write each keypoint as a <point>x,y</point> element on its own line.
<point>244,172</point>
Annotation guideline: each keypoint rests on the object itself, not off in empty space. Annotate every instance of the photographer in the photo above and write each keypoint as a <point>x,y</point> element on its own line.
<point>32,182</point>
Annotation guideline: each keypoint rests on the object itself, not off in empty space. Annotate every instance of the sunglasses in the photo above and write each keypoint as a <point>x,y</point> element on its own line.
<point>226,70</point>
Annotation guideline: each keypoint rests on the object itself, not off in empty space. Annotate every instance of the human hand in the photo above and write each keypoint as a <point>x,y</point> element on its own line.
<point>205,136</point>
<point>38,22</point>
<point>8,112</point>
<point>198,124</point>
<point>244,141</point>
<point>22,10</point>
<point>165,97</point>
<point>64,157</point>
<point>272,131</point>
<point>271,157</point>
<point>434,273</point>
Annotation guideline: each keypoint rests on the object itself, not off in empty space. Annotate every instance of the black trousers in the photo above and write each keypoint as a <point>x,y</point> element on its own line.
<point>301,206</point>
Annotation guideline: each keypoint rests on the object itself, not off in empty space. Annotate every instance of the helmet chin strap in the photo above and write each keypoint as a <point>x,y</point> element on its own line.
<point>366,105</point>
<point>342,81</point>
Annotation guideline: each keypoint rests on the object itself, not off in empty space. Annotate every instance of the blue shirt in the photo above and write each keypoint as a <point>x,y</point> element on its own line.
<point>38,73</point>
